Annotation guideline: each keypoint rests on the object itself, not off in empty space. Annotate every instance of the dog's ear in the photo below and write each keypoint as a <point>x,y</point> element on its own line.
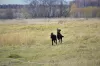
<point>52,33</point>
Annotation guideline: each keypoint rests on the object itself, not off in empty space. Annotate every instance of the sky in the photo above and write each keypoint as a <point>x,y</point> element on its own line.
<point>12,2</point>
<point>15,1</point>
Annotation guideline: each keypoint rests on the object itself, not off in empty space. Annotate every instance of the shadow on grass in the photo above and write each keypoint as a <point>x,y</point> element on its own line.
<point>14,56</point>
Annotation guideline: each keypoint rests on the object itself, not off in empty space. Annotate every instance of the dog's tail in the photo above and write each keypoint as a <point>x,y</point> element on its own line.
<point>62,36</point>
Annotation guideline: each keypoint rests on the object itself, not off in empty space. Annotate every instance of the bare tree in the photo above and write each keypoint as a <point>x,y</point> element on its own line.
<point>9,13</point>
<point>47,8</point>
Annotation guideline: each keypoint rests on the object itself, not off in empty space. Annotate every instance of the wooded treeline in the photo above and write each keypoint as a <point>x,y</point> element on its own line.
<point>85,9</point>
<point>35,9</point>
<point>52,9</point>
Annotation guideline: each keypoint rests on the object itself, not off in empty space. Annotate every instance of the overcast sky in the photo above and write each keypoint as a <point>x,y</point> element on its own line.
<point>15,1</point>
<point>12,2</point>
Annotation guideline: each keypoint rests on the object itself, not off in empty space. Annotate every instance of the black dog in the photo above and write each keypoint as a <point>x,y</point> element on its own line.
<point>59,35</point>
<point>53,38</point>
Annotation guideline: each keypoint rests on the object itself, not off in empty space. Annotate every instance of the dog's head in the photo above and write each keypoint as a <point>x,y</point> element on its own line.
<point>58,30</point>
<point>52,34</point>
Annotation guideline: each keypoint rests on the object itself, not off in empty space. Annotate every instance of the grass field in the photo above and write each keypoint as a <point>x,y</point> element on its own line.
<point>27,43</point>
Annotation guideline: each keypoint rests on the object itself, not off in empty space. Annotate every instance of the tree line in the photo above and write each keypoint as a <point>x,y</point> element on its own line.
<point>50,9</point>
<point>85,9</point>
<point>36,9</point>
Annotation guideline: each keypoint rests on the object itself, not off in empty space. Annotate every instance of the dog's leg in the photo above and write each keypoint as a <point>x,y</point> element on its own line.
<point>52,42</point>
<point>61,40</point>
<point>56,41</point>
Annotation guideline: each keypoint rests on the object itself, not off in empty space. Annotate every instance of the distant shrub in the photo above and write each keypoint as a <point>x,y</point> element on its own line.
<point>61,22</point>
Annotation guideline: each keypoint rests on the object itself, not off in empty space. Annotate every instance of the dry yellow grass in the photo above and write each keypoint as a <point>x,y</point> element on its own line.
<point>31,43</point>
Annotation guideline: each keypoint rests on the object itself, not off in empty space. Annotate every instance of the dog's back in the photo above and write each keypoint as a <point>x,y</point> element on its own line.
<point>53,37</point>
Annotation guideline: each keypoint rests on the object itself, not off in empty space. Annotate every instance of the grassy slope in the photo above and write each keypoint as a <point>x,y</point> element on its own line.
<point>81,44</point>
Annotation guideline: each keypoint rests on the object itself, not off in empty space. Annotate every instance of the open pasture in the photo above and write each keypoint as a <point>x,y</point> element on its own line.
<point>28,43</point>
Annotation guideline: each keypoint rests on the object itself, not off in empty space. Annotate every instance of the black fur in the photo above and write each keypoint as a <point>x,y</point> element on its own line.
<point>53,38</point>
<point>59,35</point>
